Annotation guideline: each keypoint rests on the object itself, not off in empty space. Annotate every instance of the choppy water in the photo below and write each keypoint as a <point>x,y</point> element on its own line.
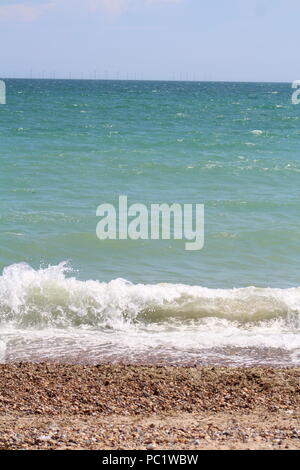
<point>68,146</point>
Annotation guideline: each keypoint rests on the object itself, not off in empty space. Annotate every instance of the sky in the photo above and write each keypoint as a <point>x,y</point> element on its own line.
<point>230,40</point>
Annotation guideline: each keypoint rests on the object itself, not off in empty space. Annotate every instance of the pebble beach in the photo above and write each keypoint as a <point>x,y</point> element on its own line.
<point>59,406</point>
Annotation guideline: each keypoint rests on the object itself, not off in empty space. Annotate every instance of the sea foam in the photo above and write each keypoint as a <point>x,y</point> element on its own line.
<point>52,297</point>
<point>50,315</point>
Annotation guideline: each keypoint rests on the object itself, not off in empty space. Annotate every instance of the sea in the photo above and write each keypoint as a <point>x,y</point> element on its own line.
<point>68,146</point>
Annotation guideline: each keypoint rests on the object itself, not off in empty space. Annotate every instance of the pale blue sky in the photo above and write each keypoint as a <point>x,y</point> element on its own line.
<point>249,40</point>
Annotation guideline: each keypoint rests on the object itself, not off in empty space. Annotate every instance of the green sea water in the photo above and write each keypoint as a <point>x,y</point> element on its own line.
<point>68,146</point>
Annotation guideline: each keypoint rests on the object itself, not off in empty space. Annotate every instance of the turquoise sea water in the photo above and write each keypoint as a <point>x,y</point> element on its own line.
<point>68,146</point>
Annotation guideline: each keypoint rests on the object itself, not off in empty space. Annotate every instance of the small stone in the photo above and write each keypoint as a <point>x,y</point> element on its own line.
<point>151,446</point>
<point>44,438</point>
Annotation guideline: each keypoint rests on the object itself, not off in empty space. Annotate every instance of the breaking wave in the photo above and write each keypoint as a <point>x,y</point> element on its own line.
<point>52,297</point>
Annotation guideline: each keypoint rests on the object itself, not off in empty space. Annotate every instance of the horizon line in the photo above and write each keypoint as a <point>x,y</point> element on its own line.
<point>144,80</point>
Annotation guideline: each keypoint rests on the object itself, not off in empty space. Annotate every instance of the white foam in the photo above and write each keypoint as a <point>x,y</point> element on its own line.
<point>45,311</point>
<point>49,297</point>
<point>257,132</point>
<point>2,351</point>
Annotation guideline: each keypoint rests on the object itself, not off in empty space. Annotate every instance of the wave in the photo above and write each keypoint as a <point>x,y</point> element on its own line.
<point>52,297</point>
<point>257,132</point>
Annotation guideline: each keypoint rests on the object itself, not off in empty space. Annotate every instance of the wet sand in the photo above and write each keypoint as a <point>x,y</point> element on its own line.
<point>56,406</point>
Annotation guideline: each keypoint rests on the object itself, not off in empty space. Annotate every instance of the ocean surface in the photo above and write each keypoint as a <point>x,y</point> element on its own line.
<point>69,146</point>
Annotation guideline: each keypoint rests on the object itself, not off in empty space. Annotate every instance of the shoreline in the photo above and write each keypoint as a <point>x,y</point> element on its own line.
<point>58,406</point>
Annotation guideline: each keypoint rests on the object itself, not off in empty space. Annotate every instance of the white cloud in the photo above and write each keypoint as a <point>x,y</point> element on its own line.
<point>164,1</point>
<point>111,6</point>
<point>30,11</point>
<point>118,6</point>
<point>23,11</point>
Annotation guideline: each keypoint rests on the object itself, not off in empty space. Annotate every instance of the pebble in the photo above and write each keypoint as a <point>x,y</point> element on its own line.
<point>44,438</point>
<point>150,446</point>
